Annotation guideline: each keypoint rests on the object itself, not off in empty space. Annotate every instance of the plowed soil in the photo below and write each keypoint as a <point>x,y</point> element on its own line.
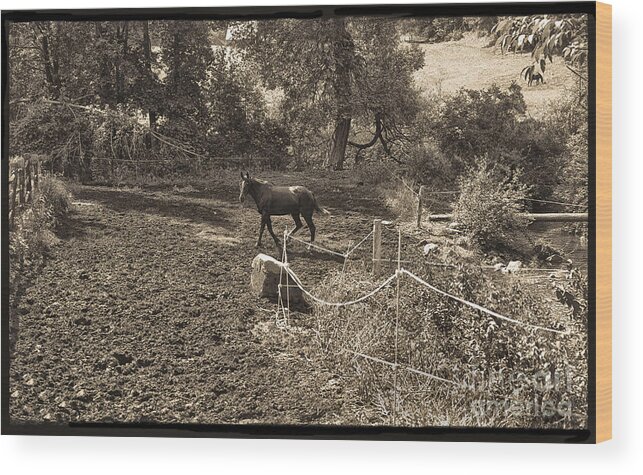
<point>143,312</point>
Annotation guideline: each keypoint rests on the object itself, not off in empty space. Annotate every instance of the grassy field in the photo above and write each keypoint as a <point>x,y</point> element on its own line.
<point>469,64</point>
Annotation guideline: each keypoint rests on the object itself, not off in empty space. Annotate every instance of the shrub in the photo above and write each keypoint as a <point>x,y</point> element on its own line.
<point>426,164</point>
<point>374,172</point>
<point>490,206</point>
<point>32,234</point>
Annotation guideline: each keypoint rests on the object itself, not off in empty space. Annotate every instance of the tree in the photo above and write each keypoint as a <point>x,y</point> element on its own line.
<point>186,56</point>
<point>336,71</point>
<point>545,36</point>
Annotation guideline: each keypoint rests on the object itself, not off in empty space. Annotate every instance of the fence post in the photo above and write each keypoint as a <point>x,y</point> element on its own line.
<point>12,204</point>
<point>377,245</point>
<point>419,216</point>
<point>397,320</point>
<point>37,173</point>
<point>29,179</point>
<point>21,179</point>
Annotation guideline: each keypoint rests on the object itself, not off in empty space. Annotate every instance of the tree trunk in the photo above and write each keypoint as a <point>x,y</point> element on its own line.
<point>343,55</point>
<point>340,140</point>
<point>147,52</point>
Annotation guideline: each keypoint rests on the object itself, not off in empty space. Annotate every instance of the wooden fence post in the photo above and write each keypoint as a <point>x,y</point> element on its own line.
<point>12,203</point>
<point>377,245</point>
<point>419,216</point>
<point>29,179</point>
<point>21,182</point>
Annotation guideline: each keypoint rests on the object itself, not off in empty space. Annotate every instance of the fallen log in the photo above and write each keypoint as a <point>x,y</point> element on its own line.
<point>535,217</point>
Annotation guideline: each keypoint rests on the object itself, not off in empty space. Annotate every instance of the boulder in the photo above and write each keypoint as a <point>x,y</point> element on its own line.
<point>498,266</point>
<point>513,267</point>
<point>264,279</point>
<point>430,247</point>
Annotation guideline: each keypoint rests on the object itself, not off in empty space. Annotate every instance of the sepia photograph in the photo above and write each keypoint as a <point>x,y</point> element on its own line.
<point>318,221</point>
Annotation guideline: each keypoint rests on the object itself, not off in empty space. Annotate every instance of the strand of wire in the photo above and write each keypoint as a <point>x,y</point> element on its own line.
<point>329,251</point>
<point>320,248</point>
<point>354,248</point>
<point>398,365</point>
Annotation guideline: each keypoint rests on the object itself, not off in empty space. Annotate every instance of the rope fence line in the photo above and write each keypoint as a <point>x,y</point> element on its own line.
<point>397,275</point>
<point>350,251</point>
<point>321,301</point>
<point>313,245</point>
<point>555,202</point>
<point>424,192</point>
<point>481,308</point>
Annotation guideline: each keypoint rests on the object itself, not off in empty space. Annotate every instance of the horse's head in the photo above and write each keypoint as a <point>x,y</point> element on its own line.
<point>244,186</point>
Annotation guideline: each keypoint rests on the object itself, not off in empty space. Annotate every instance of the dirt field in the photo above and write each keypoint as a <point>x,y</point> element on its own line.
<point>142,312</point>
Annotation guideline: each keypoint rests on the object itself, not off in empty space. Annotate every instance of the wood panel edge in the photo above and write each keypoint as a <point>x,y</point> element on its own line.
<point>603,222</point>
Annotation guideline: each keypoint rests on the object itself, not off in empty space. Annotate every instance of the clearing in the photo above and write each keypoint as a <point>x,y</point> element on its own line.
<point>469,64</point>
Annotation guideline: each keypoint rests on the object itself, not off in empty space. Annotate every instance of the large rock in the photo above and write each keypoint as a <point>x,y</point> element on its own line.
<point>429,248</point>
<point>512,267</point>
<point>264,279</point>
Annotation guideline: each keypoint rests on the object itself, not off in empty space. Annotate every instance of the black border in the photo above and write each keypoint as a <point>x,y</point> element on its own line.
<point>452,434</point>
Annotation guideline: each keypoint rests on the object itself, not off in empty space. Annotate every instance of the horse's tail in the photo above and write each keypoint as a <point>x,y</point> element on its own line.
<point>319,209</point>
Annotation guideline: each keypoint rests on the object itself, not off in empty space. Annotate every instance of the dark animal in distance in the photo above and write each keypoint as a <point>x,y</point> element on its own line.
<point>274,200</point>
<point>534,73</point>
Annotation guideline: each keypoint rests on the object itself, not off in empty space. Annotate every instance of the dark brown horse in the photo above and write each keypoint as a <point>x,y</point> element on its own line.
<point>274,200</point>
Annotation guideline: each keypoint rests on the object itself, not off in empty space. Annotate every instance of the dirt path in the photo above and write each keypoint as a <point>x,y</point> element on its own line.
<point>142,313</point>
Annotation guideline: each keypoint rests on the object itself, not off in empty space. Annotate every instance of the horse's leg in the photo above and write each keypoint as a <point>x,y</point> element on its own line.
<point>269,224</point>
<point>311,226</point>
<point>298,225</point>
<point>263,225</point>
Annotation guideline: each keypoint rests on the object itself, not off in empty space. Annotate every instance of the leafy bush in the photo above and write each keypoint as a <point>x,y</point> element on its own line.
<point>492,122</point>
<point>490,206</point>
<point>32,234</point>
<point>427,165</point>
<point>374,173</point>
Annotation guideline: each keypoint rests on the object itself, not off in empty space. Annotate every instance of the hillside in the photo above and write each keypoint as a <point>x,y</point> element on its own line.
<point>468,63</point>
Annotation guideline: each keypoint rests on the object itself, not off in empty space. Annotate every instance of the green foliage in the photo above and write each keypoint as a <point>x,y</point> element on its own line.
<point>186,55</point>
<point>426,164</point>
<point>336,69</point>
<point>440,29</point>
<point>573,293</point>
<point>60,133</point>
<point>545,36</point>
<point>490,206</point>
<point>33,232</point>
<point>473,123</point>
<point>492,123</point>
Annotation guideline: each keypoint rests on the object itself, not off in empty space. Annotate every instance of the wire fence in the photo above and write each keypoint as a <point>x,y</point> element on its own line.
<point>287,274</point>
